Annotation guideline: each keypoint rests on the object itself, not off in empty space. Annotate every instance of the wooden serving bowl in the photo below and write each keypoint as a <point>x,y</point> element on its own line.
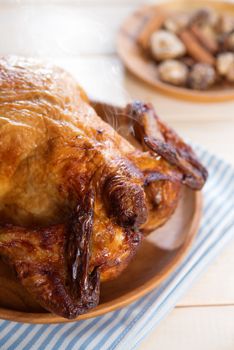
<point>159,255</point>
<point>145,68</point>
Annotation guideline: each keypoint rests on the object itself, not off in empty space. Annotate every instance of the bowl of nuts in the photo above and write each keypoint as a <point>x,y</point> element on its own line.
<point>184,49</point>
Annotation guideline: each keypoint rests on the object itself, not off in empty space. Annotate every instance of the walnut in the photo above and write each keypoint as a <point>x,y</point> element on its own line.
<point>166,45</point>
<point>173,72</point>
<point>202,76</point>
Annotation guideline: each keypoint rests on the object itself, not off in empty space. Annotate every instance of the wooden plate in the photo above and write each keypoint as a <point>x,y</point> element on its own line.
<point>159,255</point>
<point>145,68</point>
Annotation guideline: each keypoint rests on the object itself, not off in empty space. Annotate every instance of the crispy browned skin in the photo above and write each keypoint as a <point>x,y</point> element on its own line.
<point>167,161</point>
<point>74,194</point>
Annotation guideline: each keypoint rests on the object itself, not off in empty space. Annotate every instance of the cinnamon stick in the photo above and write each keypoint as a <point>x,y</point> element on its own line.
<point>195,49</point>
<point>209,43</point>
<point>154,23</point>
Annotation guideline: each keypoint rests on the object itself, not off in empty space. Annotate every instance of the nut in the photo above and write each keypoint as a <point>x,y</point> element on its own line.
<point>177,22</point>
<point>226,42</point>
<point>209,32</point>
<point>166,45</point>
<point>224,62</point>
<point>205,16</point>
<point>230,42</point>
<point>230,74</point>
<point>173,72</point>
<point>226,24</point>
<point>202,76</point>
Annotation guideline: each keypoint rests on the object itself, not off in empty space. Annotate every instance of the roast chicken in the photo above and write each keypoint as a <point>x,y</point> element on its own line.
<point>77,194</point>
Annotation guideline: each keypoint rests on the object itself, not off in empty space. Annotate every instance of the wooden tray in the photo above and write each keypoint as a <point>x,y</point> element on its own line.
<point>159,255</point>
<point>145,68</point>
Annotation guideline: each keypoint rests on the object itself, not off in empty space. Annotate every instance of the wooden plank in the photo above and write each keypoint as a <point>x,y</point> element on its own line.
<point>193,329</point>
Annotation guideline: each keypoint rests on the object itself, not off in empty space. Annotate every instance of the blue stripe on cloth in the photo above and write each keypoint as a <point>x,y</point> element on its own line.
<point>149,305</point>
<point>178,292</point>
<point>184,277</point>
<point>31,342</point>
<point>3,325</point>
<point>77,335</point>
<point>20,338</point>
<point>50,336</point>
<point>124,329</point>
<point>6,336</point>
<point>83,346</point>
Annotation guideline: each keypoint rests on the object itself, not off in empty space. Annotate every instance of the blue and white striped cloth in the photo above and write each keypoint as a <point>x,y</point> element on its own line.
<point>124,329</point>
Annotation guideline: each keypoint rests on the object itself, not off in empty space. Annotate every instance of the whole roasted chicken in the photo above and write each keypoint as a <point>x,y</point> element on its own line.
<point>76,197</point>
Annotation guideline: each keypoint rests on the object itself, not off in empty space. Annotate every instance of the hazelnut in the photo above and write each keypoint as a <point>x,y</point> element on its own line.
<point>201,77</point>
<point>209,32</point>
<point>226,24</point>
<point>166,45</point>
<point>177,22</point>
<point>224,62</point>
<point>230,74</point>
<point>173,72</point>
<point>230,42</point>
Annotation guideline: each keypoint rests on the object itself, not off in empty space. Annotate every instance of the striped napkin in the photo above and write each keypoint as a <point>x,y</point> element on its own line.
<point>125,328</point>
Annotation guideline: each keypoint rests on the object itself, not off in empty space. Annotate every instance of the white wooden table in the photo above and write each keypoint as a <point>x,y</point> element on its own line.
<point>80,36</point>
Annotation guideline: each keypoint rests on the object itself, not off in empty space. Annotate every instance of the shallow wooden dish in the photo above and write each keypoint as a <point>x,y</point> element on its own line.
<point>144,68</point>
<point>159,255</point>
